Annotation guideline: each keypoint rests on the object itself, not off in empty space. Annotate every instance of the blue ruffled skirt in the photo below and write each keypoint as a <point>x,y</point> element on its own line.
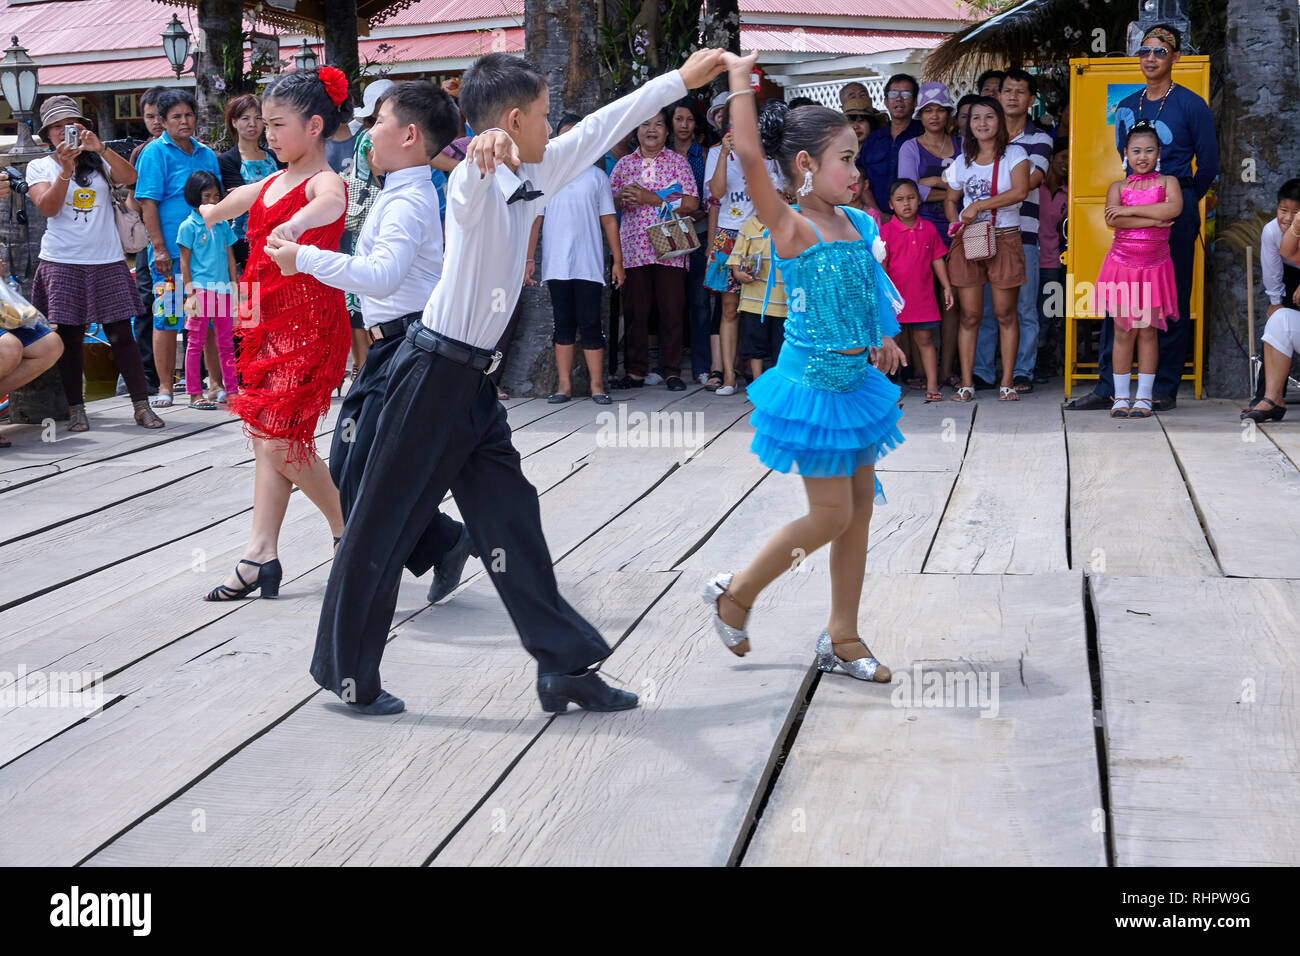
<point>826,414</point>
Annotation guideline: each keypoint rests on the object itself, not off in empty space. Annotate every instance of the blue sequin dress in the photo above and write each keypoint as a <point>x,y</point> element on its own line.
<point>818,410</point>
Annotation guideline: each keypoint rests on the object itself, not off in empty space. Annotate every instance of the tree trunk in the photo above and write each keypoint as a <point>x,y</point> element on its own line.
<point>221,24</point>
<point>1258,151</point>
<point>560,41</point>
<point>341,41</point>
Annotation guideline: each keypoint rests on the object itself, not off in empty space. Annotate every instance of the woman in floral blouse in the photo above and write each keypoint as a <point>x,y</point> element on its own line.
<point>644,180</point>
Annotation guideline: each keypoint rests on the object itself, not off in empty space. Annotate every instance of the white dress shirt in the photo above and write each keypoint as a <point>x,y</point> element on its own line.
<point>397,260</point>
<point>487,239</point>
<point>1270,263</point>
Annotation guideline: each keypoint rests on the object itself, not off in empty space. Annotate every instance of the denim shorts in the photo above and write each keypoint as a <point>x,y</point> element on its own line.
<point>28,335</point>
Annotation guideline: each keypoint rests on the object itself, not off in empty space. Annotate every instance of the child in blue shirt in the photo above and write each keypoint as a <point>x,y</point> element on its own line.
<point>209,274</point>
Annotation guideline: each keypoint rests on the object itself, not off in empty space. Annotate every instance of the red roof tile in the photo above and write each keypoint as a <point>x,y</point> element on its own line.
<point>852,42</point>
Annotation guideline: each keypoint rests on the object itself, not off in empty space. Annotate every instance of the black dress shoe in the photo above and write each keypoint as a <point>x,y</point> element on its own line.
<point>1165,403</point>
<point>675,384</point>
<point>447,577</point>
<point>1087,403</point>
<point>981,385</point>
<point>385,703</point>
<point>588,691</point>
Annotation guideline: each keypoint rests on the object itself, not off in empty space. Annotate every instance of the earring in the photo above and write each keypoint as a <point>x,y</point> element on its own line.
<point>1157,164</point>
<point>807,186</point>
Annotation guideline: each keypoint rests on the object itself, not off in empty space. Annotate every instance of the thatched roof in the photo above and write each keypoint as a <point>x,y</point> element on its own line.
<point>1036,32</point>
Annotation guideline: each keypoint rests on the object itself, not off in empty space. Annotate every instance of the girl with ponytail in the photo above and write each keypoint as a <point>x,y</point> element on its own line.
<point>293,331</point>
<point>826,408</point>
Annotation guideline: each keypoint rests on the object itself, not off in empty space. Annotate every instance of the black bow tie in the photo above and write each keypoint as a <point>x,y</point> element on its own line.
<point>525,192</point>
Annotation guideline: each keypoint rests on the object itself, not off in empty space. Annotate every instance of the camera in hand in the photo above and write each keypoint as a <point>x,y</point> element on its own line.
<point>16,180</point>
<point>71,137</point>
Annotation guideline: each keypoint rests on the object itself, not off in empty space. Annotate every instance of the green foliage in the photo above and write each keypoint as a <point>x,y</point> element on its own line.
<point>623,46</point>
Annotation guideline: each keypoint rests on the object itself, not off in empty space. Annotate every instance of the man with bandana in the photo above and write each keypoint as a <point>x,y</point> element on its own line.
<point>1186,128</point>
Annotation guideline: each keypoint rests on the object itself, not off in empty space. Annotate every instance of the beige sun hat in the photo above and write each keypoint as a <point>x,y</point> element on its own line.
<point>58,109</point>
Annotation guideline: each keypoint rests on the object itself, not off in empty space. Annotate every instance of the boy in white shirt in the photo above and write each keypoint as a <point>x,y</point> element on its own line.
<point>442,427</point>
<point>395,265</point>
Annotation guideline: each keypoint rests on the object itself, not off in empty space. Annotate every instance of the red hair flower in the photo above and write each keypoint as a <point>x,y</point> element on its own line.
<point>336,84</point>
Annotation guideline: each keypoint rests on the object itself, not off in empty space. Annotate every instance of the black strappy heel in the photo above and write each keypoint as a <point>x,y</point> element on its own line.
<point>268,579</point>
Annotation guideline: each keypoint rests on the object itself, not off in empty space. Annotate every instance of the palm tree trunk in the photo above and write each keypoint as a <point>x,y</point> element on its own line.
<point>1259,149</point>
<point>341,40</point>
<point>221,26</point>
<point>560,42</point>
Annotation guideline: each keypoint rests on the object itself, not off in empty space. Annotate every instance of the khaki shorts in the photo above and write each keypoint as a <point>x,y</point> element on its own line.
<point>1006,270</point>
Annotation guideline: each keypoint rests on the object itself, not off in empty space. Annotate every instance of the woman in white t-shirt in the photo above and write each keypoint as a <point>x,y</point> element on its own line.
<point>573,268</point>
<point>82,276</point>
<point>986,156</point>
<point>725,181</point>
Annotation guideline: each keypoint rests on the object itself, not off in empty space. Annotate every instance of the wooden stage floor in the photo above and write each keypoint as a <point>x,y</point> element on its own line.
<point>1094,628</point>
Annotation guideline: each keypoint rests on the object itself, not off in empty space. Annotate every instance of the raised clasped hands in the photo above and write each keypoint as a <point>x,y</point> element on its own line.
<point>702,66</point>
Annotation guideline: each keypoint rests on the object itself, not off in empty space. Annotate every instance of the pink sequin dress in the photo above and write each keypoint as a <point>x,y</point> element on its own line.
<point>1136,283</point>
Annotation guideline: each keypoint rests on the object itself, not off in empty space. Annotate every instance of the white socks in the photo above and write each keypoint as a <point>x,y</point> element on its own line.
<point>1145,384</point>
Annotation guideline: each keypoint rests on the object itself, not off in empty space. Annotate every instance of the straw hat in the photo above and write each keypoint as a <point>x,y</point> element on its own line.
<point>857,103</point>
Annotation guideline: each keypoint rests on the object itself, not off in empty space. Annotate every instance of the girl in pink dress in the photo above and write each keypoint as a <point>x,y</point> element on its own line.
<point>1136,283</point>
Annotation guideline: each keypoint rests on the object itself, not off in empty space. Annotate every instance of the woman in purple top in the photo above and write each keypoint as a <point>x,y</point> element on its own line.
<point>923,160</point>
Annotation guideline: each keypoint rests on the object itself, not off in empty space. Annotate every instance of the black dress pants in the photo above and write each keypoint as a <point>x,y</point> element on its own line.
<point>416,457</point>
<point>354,435</point>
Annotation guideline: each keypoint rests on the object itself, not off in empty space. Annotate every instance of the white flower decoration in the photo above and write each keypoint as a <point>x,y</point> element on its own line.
<point>878,249</point>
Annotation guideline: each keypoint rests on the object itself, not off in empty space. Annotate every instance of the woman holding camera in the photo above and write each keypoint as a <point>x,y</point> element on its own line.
<point>82,276</point>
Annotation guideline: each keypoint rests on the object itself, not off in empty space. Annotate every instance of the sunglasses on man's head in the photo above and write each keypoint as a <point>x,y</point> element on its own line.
<point>1159,52</point>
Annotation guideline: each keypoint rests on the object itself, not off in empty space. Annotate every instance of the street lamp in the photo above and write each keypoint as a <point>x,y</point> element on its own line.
<point>304,59</point>
<point>18,82</point>
<point>176,44</point>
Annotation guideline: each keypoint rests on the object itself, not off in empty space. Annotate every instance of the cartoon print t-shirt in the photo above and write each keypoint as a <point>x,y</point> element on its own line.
<point>976,183</point>
<point>736,205</point>
<point>82,232</point>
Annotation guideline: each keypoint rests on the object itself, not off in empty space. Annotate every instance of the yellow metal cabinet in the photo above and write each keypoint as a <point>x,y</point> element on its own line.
<point>1096,87</point>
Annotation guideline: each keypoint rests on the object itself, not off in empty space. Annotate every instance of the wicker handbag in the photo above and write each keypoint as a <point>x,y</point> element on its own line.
<point>672,236</point>
<point>978,240</point>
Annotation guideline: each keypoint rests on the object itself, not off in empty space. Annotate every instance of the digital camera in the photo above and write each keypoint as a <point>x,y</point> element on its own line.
<point>16,181</point>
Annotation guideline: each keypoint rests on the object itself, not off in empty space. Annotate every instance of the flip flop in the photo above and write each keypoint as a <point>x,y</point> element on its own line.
<point>204,405</point>
<point>5,442</point>
<point>933,397</point>
<point>161,400</point>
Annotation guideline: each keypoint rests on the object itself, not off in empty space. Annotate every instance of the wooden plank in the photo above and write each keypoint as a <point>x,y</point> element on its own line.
<point>1130,512</point>
<point>901,528</point>
<point>349,790</point>
<point>1199,687</point>
<point>1246,491</point>
<point>113,433</point>
<point>674,782</point>
<point>1007,511</point>
<point>876,777</point>
<point>934,436</point>
<point>674,517</point>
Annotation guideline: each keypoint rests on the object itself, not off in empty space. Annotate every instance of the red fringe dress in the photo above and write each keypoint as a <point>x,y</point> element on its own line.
<point>295,345</point>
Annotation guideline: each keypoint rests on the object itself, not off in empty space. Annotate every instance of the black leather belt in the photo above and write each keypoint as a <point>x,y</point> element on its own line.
<point>481,360</point>
<point>390,330</point>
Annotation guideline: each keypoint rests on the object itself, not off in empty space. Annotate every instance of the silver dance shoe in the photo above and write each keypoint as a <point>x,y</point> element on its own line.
<point>713,591</point>
<point>864,668</point>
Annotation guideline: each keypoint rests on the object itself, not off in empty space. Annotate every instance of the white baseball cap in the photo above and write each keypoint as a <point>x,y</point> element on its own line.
<point>371,96</point>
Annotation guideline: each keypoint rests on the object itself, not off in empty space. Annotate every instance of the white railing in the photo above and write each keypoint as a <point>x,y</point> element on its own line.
<point>828,94</point>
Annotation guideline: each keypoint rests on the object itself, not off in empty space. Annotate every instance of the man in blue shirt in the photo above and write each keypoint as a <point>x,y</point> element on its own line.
<point>1186,128</point>
<point>879,153</point>
<point>162,169</point>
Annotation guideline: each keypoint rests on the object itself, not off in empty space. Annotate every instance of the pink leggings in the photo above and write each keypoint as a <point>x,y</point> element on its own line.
<point>214,307</point>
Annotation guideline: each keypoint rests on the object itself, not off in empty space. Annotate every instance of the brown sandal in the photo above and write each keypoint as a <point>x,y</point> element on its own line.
<point>77,421</point>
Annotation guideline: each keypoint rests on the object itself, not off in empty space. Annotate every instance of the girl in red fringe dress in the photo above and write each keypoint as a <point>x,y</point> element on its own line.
<point>294,345</point>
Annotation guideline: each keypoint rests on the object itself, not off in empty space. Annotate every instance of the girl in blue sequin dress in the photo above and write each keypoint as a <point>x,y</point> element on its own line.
<point>827,408</point>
